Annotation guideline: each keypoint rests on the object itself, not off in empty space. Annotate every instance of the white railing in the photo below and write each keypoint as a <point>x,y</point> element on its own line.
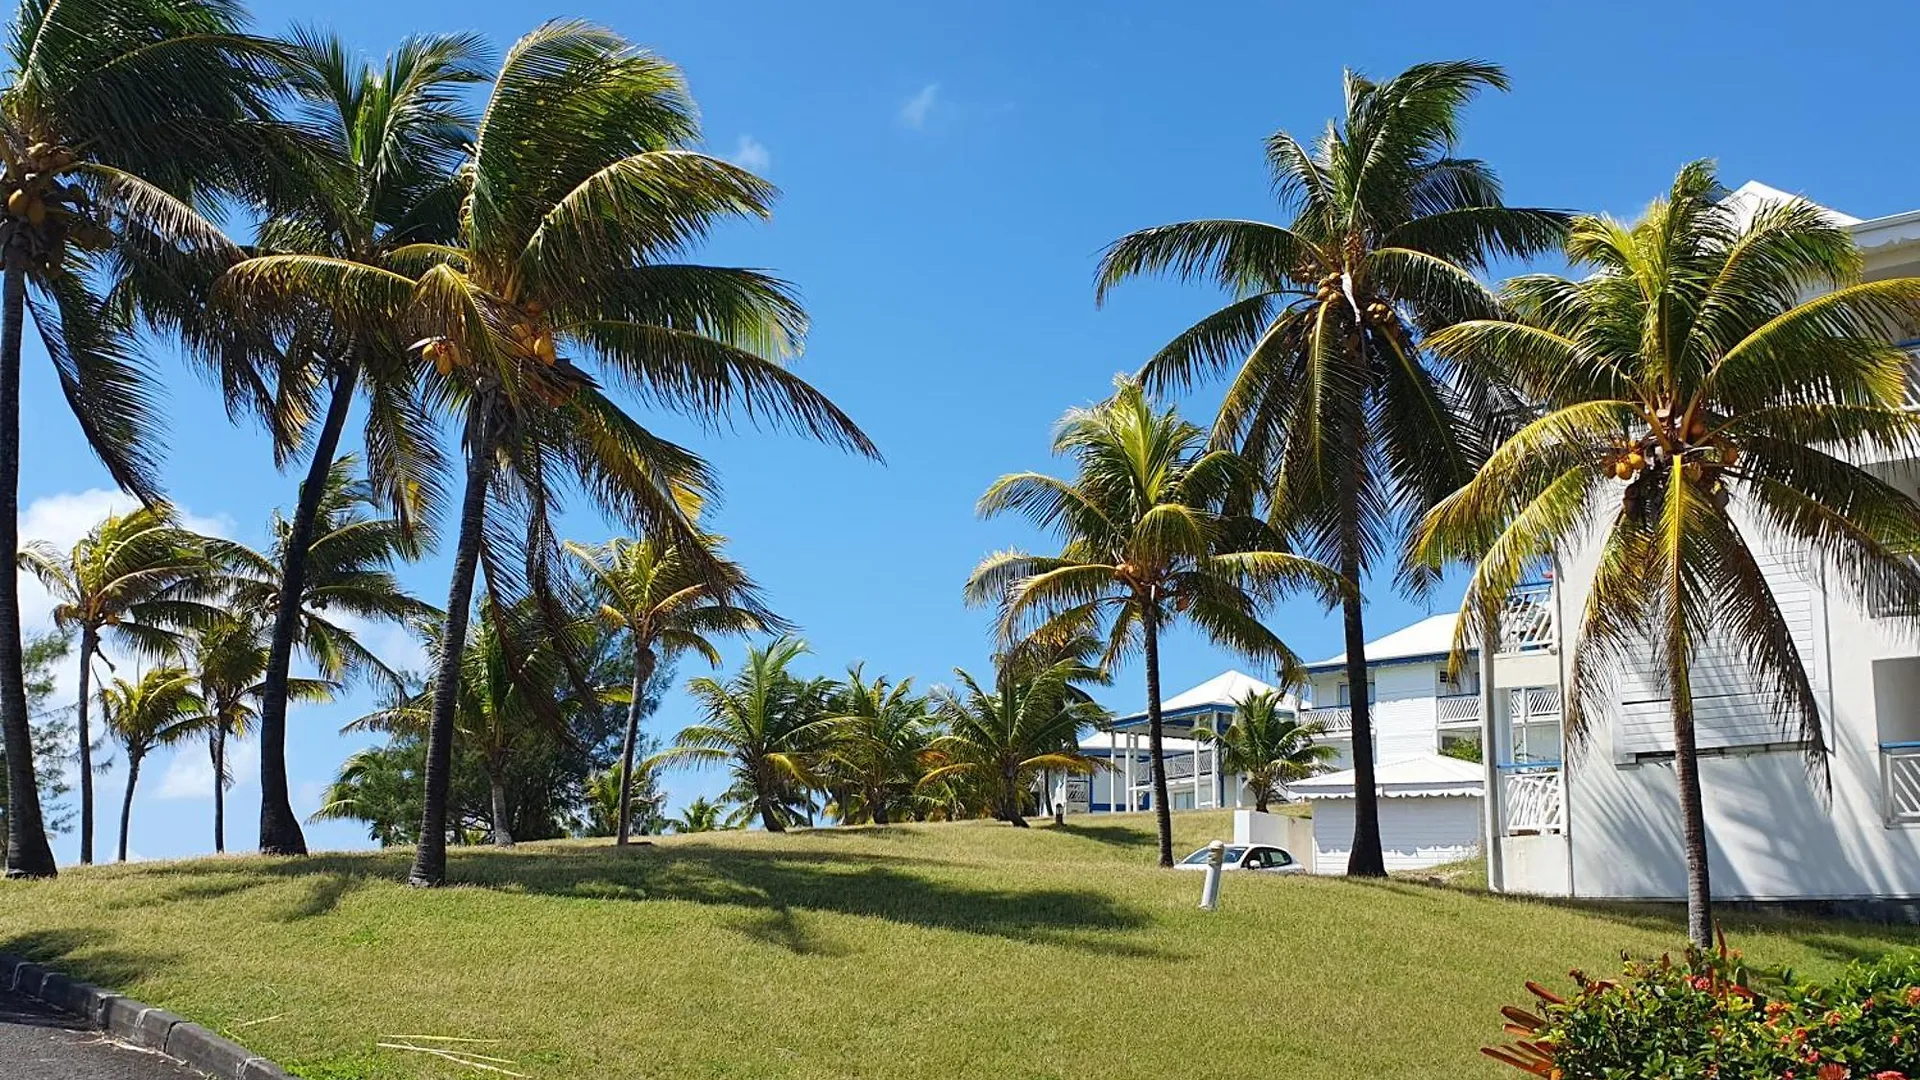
<point>1334,719</point>
<point>1535,801</point>
<point>1526,619</point>
<point>1180,767</point>
<point>1900,782</point>
<point>1457,710</point>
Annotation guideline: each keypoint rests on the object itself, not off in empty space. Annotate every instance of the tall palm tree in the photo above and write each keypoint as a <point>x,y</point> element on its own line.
<point>1145,542</point>
<point>667,604</point>
<point>229,658</point>
<point>348,574</point>
<point>137,579</point>
<point>1695,407</point>
<point>120,121</point>
<point>1269,747</point>
<point>579,193</point>
<point>158,709</point>
<point>1354,427</point>
<point>765,724</point>
<point>384,139</point>
<point>879,732</point>
<point>1001,740</point>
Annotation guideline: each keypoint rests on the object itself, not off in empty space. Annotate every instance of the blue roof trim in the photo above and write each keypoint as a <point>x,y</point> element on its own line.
<point>1341,664</point>
<point>1140,718</point>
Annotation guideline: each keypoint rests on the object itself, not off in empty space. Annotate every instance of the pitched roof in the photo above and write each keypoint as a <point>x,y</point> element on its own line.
<point>1420,776</point>
<point>1223,691</point>
<point>1430,637</point>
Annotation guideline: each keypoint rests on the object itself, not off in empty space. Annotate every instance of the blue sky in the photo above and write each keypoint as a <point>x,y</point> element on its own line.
<point>950,174</point>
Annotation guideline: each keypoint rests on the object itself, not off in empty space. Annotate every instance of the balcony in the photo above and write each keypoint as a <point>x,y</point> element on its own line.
<point>1900,782</point>
<point>1334,719</point>
<point>1457,710</point>
<point>1533,799</point>
<point>1526,620</point>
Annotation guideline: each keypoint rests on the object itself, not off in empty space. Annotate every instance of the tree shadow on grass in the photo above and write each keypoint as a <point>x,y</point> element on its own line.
<point>1835,938</point>
<point>81,954</point>
<point>1116,835</point>
<point>771,886</point>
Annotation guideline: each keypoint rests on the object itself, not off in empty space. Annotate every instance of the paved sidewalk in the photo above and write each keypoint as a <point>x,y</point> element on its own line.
<point>43,1044</point>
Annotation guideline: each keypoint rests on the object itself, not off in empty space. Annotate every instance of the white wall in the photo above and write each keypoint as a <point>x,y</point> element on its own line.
<point>1773,833</point>
<point>1415,833</point>
<point>1403,712</point>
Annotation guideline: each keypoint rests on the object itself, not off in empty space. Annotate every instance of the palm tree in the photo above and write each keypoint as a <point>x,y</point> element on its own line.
<point>379,786</point>
<point>1269,747</point>
<point>348,574</point>
<point>643,801</point>
<point>159,709</point>
<point>879,733</point>
<point>118,119</point>
<point>1001,741</point>
<point>765,724</point>
<point>700,815</point>
<point>229,658</point>
<point>578,194</point>
<point>1144,544</point>
<point>383,142</point>
<point>1355,429</point>
<point>136,578</point>
<point>1694,406</point>
<point>667,604</point>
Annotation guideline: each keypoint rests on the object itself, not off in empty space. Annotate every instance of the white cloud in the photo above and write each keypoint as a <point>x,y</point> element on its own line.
<point>751,154</point>
<point>914,112</point>
<point>189,773</point>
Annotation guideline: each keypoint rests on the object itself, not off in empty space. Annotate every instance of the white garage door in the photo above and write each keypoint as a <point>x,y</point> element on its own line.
<point>1414,833</point>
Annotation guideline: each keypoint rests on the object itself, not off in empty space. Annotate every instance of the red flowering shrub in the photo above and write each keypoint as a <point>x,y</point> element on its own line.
<point>1704,1019</point>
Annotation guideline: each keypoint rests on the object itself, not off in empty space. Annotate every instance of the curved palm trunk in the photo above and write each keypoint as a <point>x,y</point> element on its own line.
<point>28,852</point>
<point>642,671</point>
<point>89,641</point>
<point>770,818</point>
<point>430,857</point>
<point>217,747</point>
<point>1010,806</point>
<point>279,828</point>
<point>126,804</point>
<point>1162,812</point>
<point>1366,859</point>
<point>1693,819</point>
<point>502,825</point>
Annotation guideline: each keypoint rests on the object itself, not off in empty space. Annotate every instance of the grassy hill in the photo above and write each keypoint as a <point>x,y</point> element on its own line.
<point>938,951</point>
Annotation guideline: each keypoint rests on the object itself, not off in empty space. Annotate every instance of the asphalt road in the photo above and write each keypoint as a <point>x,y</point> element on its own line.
<point>41,1044</point>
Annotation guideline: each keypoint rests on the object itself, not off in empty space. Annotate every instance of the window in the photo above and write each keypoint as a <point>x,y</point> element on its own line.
<point>1346,693</point>
<point>1464,681</point>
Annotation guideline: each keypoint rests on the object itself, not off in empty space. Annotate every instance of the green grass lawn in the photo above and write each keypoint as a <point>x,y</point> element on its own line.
<point>972,950</point>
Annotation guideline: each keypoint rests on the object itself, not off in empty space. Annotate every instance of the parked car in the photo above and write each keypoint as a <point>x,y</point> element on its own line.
<point>1262,857</point>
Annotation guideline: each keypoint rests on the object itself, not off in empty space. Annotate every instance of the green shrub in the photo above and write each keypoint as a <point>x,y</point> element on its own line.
<point>1708,1018</point>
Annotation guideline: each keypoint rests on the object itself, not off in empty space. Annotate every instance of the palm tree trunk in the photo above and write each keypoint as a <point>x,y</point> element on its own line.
<point>218,748</point>
<point>279,828</point>
<point>1693,819</point>
<point>430,857</point>
<point>769,817</point>
<point>1366,858</point>
<point>126,804</point>
<point>28,852</point>
<point>502,831</point>
<point>89,641</point>
<point>877,807</point>
<point>642,671</point>
<point>1010,785</point>
<point>1162,812</point>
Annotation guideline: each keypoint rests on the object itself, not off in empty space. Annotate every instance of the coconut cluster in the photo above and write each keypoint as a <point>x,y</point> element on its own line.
<point>1700,457</point>
<point>43,213</point>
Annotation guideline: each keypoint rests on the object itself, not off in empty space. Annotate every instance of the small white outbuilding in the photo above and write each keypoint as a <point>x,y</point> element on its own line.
<point>1429,813</point>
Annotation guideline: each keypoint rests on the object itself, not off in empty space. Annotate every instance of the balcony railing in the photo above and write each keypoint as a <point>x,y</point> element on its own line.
<point>1458,710</point>
<point>1900,782</point>
<point>1535,801</point>
<point>1526,619</point>
<point>1333,719</point>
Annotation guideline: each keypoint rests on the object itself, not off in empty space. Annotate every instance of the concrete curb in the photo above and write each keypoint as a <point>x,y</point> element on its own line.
<point>141,1025</point>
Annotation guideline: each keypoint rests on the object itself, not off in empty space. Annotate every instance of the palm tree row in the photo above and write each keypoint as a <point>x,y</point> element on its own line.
<point>495,269</point>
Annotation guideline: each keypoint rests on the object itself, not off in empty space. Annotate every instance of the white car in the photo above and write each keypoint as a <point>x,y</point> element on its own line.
<point>1264,858</point>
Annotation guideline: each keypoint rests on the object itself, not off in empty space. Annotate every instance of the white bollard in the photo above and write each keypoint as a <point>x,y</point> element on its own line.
<point>1210,888</point>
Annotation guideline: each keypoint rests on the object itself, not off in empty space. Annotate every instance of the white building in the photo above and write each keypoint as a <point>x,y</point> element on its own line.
<point>1773,832</point>
<point>1195,777</point>
<point>1429,813</point>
